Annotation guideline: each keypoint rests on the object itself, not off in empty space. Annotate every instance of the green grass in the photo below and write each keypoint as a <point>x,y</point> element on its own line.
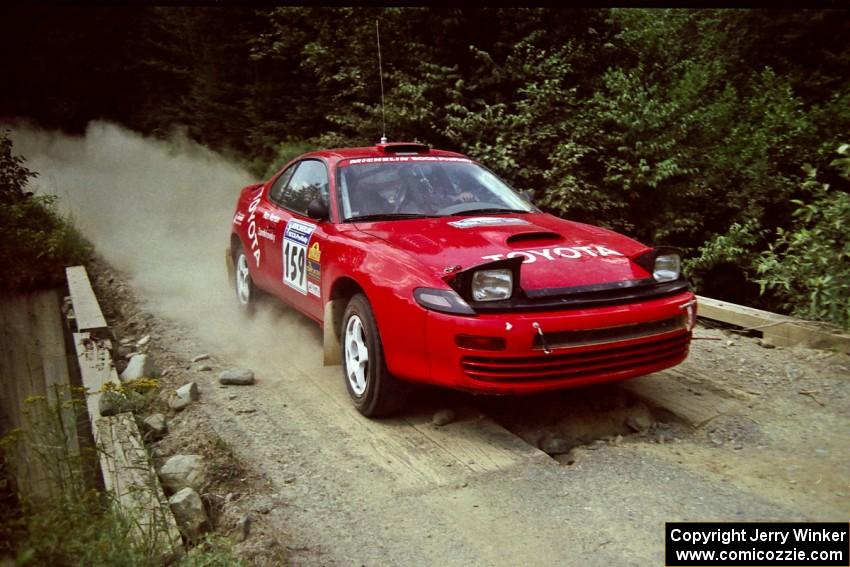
<point>72,523</point>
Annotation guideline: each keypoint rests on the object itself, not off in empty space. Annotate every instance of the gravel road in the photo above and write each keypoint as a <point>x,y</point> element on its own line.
<point>349,491</point>
<point>334,488</point>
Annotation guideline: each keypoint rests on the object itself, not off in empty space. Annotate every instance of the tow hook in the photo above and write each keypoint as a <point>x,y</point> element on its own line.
<point>690,309</point>
<point>546,349</point>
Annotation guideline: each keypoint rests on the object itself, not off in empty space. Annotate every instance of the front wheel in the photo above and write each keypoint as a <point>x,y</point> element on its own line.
<point>373,390</point>
<point>246,292</point>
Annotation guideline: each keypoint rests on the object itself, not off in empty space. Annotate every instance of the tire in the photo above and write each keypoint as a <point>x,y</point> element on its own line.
<point>373,390</point>
<point>246,291</point>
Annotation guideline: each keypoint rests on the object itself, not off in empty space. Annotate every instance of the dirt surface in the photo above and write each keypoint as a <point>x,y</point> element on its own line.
<point>324,486</point>
<point>738,432</point>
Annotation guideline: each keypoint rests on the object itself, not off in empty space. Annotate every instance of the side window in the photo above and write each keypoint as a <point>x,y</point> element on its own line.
<point>276,192</point>
<point>309,181</point>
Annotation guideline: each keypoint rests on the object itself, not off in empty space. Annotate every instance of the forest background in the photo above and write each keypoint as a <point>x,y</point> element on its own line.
<point>723,132</point>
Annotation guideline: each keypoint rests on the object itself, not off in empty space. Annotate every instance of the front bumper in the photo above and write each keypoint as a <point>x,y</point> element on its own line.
<point>561,349</point>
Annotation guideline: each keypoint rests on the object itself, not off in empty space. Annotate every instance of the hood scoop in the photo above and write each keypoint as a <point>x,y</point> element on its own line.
<point>524,239</point>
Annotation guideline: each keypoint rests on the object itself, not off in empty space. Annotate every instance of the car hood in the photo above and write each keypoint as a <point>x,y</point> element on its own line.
<point>557,253</point>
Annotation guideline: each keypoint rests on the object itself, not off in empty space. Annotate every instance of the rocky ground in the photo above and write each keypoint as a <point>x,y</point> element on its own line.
<point>236,497</point>
<point>296,476</point>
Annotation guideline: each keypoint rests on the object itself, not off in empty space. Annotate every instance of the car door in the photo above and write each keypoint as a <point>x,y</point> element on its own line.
<point>299,239</point>
<point>269,231</point>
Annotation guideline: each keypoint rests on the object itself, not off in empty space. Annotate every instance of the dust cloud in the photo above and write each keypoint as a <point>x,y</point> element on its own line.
<point>160,212</point>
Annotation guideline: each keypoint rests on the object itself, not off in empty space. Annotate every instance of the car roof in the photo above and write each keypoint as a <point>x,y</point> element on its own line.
<point>381,150</point>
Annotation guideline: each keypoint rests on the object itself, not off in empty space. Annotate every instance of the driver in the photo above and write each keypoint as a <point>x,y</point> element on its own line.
<point>413,195</point>
<point>418,195</point>
<point>365,200</point>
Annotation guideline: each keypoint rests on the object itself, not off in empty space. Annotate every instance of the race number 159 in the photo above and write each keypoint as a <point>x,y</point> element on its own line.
<point>294,263</point>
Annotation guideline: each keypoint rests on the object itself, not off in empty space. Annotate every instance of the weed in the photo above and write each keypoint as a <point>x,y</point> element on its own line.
<point>58,518</point>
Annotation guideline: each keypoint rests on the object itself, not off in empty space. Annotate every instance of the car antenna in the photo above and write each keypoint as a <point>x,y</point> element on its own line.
<point>381,76</point>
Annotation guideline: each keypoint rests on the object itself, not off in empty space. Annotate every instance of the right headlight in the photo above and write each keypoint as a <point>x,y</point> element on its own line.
<point>667,267</point>
<point>663,262</point>
<point>492,285</point>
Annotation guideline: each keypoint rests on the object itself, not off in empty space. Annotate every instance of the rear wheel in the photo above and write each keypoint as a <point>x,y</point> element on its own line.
<point>246,292</point>
<point>373,390</point>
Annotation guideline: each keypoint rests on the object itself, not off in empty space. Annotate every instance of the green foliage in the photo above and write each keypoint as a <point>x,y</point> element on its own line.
<point>212,551</point>
<point>36,242</point>
<point>738,246</point>
<point>80,531</point>
<point>62,522</point>
<point>808,266</point>
<point>13,174</point>
<point>89,531</point>
<point>676,126</point>
<point>70,524</point>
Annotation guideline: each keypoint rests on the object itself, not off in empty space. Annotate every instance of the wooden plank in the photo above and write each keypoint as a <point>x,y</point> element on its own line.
<point>34,366</point>
<point>793,334</point>
<point>404,454</point>
<point>781,330</point>
<point>55,374</point>
<point>127,472</point>
<point>86,308</point>
<point>422,451</point>
<point>17,385</point>
<point>480,443</point>
<point>130,477</point>
<point>96,369</point>
<point>10,360</point>
<point>739,315</point>
<point>689,400</point>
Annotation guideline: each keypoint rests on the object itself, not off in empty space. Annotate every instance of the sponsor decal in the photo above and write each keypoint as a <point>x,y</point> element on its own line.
<point>402,159</point>
<point>238,218</point>
<point>296,237</point>
<point>271,217</point>
<point>571,252</point>
<point>314,270</point>
<point>315,252</point>
<point>299,231</point>
<point>252,228</point>
<point>267,234</point>
<point>314,289</point>
<point>473,222</point>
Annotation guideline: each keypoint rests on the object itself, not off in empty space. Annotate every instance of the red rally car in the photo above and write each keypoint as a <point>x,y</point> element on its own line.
<point>423,266</point>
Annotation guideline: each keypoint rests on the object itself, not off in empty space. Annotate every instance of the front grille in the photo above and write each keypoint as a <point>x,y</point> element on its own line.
<point>609,334</point>
<point>606,360</point>
<point>583,297</point>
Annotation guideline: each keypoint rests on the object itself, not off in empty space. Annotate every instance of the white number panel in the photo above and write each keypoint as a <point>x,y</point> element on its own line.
<point>296,237</point>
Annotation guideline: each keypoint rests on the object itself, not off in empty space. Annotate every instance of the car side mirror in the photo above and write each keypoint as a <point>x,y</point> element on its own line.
<point>528,195</point>
<point>318,209</point>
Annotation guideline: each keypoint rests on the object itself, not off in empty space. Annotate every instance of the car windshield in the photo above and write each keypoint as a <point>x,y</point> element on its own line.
<point>374,189</point>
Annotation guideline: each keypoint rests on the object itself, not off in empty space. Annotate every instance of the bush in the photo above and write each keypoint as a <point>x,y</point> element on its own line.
<point>36,242</point>
<point>808,266</point>
<point>13,175</point>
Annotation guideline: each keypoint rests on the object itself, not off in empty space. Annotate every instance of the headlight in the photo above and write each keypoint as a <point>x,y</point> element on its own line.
<point>492,285</point>
<point>443,300</point>
<point>667,267</point>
